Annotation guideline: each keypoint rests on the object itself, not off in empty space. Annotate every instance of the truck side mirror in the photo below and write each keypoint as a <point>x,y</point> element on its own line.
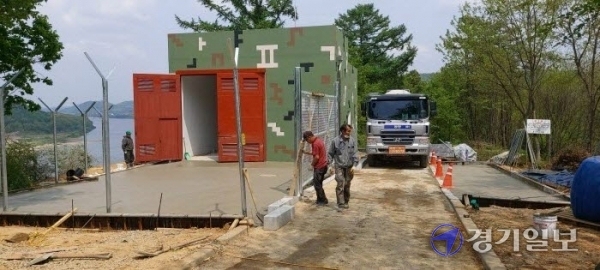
<point>433,107</point>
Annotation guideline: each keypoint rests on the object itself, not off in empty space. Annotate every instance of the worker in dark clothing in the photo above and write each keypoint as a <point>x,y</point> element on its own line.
<point>343,153</point>
<point>319,164</point>
<point>127,146</point>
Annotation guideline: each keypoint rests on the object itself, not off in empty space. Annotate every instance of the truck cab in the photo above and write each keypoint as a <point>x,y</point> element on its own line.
<point>398,127</point>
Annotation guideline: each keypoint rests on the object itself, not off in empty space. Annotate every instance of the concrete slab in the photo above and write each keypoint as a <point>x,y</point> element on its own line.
<point>287,200</point>
<point>278,218</point>
<point>483,180</point>
<point>188,187</point>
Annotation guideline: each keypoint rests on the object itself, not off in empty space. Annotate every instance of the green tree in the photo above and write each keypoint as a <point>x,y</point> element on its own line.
<point>26,39</point>
<point>580,33</point>
<point>382,53</point>
<point>242,14</point>
<point>21,165</point>
<point>513,43</point>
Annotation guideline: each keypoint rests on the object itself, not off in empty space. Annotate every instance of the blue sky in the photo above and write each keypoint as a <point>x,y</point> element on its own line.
<point>131,36</point>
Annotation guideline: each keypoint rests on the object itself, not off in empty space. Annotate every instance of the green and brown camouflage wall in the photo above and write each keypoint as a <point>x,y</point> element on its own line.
<point>317,49</point>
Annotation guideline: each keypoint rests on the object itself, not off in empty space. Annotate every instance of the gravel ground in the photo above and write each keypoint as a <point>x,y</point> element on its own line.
<point>587,242</point>
<point>388,226</point>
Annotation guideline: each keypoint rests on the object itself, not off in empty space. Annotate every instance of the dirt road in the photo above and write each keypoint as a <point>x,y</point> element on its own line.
<point>389,225</point>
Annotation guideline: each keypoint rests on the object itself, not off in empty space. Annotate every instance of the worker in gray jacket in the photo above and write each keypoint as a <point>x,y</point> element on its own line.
<point>343,153</point>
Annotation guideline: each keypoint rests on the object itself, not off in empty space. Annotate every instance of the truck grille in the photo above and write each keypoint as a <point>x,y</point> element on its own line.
<point>397,137</point>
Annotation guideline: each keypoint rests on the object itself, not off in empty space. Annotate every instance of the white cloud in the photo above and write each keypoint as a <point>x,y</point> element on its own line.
<point>126,8</point>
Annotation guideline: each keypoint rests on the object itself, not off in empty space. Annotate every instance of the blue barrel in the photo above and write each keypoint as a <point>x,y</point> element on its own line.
<point>585,190</point>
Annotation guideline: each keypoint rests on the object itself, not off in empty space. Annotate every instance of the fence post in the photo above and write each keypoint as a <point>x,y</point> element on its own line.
<point>3,140</point>
<point>84,116</point>
<point>105,133</point>
<point>298,123</point>
<point>54,112</point>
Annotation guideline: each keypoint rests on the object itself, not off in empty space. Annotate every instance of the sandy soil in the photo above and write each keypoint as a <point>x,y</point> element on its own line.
<point>122,245</point>
<point>391,217</point>
<point>587,243</point>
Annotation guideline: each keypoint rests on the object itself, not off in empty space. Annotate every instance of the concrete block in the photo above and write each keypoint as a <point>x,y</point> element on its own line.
<point>287,200</point>
<point>278,218</point>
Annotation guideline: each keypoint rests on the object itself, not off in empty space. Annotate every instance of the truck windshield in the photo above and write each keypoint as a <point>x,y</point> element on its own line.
<point>413,109</point>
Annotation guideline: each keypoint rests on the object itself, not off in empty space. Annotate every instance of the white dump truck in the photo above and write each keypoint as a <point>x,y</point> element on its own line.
<point>398,127</point>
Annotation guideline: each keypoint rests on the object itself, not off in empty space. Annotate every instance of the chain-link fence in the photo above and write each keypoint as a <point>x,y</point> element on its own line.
<point>319,115</point>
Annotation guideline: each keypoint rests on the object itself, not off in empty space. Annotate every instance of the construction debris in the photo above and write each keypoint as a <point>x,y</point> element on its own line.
<point>44,256</point>
<point>47,257</point>
<point>17,238</point>
<point>145,254</point>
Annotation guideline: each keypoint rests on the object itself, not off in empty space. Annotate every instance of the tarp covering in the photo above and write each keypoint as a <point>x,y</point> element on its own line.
<point>562,178</point>
<point>443,150</point>
<point>585,191</point>
<point>464,152</point>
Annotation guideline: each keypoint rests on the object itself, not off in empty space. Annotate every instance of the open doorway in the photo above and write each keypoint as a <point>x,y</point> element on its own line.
<point>199,106</point>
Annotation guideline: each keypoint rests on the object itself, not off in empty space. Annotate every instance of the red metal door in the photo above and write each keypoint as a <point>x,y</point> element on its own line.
<point>168,130</point>
<point>157,117</point>
<point>252,100</point>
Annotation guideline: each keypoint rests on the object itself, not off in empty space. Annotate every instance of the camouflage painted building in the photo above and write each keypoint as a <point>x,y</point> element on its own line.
<point>267,58</point>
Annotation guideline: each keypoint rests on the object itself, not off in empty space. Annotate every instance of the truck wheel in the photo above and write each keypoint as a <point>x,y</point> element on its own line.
<point>372,162</point>
<point>423,161</point>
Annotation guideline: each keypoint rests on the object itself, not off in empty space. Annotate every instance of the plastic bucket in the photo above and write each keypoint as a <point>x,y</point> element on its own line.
<point>545,225</point>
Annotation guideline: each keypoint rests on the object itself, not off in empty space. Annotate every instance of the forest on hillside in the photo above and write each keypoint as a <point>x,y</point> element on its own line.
<point>23,123</point>
<point>508,61</point>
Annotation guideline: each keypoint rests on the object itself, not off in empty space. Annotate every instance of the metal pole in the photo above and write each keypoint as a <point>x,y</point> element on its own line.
<point>54,112</point>
<point>105,134</point>
<point>338,100</point>
<point>298,90</point>
<point>3,145</point>
<point>55,147</point>
<point>338,96</point>
<point>106,145</point>
<point>84,117</point>
<point>85,155</point>
<point>3,141</point>
<point>239,134</point>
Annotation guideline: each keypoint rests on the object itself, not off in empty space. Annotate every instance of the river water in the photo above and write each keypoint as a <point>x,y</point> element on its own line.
<point>117,129</point>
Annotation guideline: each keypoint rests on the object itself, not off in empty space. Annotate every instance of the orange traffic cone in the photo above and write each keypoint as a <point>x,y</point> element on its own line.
<point>433,159</point>
<point>439,169</point>
<point>448,178</point>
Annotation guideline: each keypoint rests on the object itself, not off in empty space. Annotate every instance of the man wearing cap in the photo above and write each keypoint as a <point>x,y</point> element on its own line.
<point>319,164</point>
<point>127,146</point>
<point>344,153</point>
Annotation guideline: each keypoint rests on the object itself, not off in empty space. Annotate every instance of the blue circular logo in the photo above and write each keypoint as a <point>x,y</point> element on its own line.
<point>449,234</point>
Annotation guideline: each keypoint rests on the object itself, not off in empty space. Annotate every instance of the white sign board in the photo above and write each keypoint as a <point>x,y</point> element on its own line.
<point>538,126</point>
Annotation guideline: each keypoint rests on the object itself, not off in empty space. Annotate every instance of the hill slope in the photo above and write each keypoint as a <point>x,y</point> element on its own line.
<point>25,123</point>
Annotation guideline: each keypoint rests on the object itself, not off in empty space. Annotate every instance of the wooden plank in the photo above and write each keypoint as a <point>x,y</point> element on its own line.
<point>567,216</point>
